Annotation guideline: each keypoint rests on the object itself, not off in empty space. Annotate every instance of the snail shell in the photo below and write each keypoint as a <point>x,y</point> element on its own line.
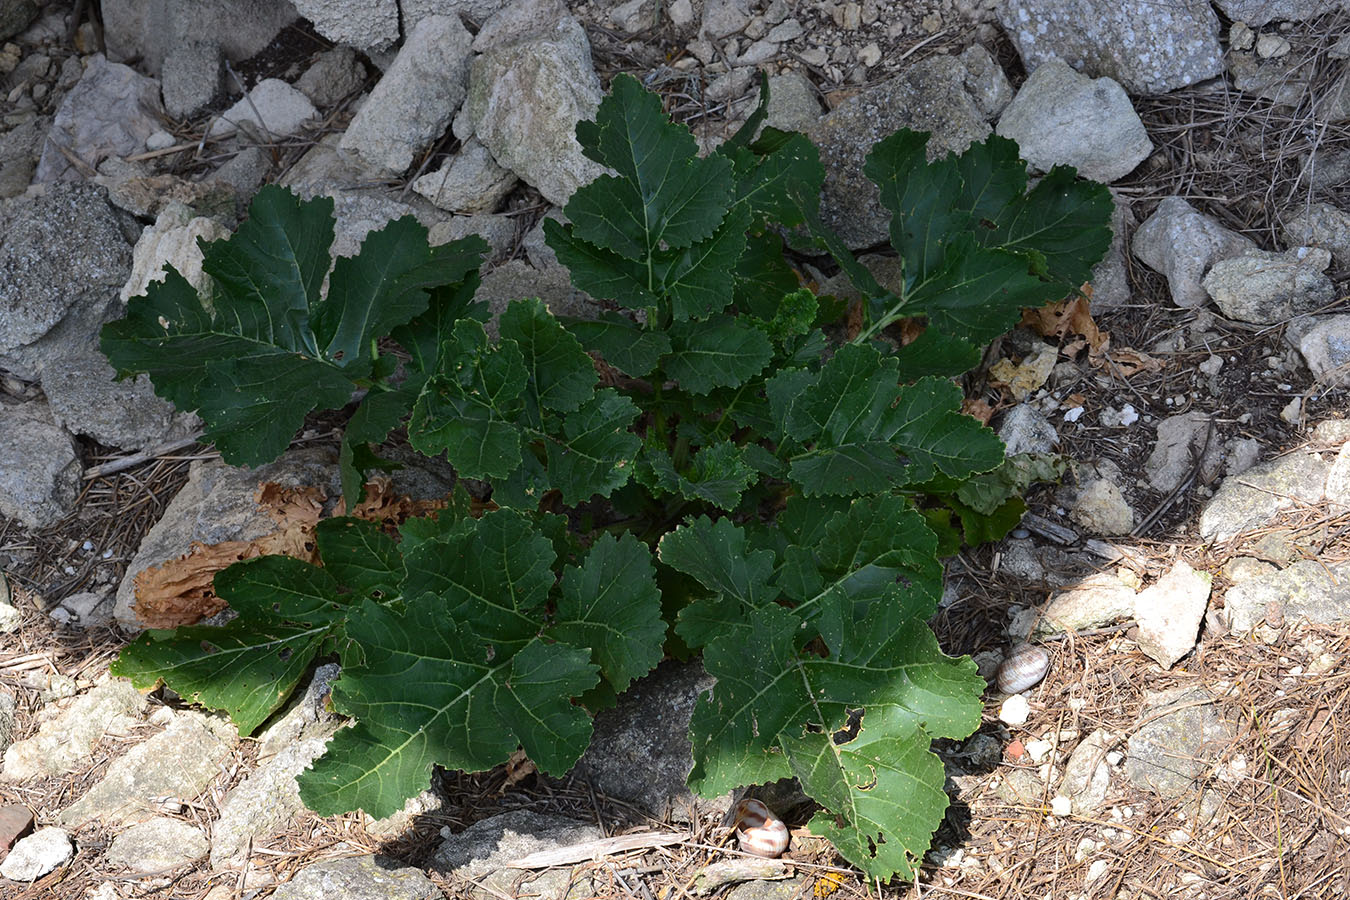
<point>1025,666</point>
<point>759,831</point>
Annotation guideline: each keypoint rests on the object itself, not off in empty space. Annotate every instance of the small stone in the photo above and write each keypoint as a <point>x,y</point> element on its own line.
<point>788,30</point>
<point>1061,805</point>
<point>1169,613</point>
<point>1026,430</point>
<point>870,55</point>
<point>15,820</point>
<point>1266,288</point>
<point>1325,347</point>
<point>1097,870</point>
<point>1039,750</point>
<point>1271,46</point>
<point>1180,732</point>
<point>273,109</point>
<point>1182,243</point>
<point>1293,411</point>
<point>36,855</point>
<point>157,845</point>
<point>1241,36</point>
<point>1101,508</point>
<point>1015,710</point>
<point>1094,602</point>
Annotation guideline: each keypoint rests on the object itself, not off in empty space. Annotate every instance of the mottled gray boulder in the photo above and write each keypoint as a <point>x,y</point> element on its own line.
<point>126,414</point>
<point>1268,288</point>
<point>480,854</point>
<point>412,104</point>
<point>1182,243</point>
<point>39,472</point>
<point>217,504</point>
<point>36,855</point>
<point>527,90</point>
<point>929,96</point>
<point>190,80</point>
<point>179,762</point>
<point>1319,225</point>
<point>1149,49</point>
<point>1180,734</point>
<point>110,112</point>
<point>1260,12</point>
<point>985,80</point>
<point>333,75</point>
<point>469,182</point>
<point>1062,117</point>
<point>1169,613</point>
<point>367,25</point>
<point>63,257</point>
<point>1307,589</point>
<point>359,878</point>
<point>150,29</point>
<point>640,751</point>
<point>1253,499</point>
<point>273,109</point>
<point>63,743</point>
<point>1325,346</point>
<point>156,845</point>
<point>15,16</point>
<point>358,213</point>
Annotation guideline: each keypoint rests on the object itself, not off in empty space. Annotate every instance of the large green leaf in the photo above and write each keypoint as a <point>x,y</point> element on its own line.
<point>722,352</point>
<point>718,474</point>
<point>623,343</point>
<point>360,556</point>
<point>561,375</point>
<point>595,451</point>
<point>718,557</point>
<point>287,610</point>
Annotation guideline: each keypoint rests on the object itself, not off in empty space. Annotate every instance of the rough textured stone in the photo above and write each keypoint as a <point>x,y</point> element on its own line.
<point>179,762</point>
<point>62,259</point>
<point>36,855</point>
<point>156,845</point>
<point>792,103</point>
<point>20,148</point>
<point>1101,508</point>
<point>217,505</point>
<point>1111,277</point>
<point>516,279</point>
<point>359,213</point>
<point>1026,430</point>
<point>1319,225</point>
<point>470,182</point>
<point>482,850</point>
<point>1303,590</point>
<point>1095,601</point>
<point>1149,49</point>
<point>1260,12</point>
<point>1325,346</point>
<point>1061,117</point>
<point>364,24</point>
<point>149,29</point>
<point>1183,243</point>
<point>1267,288</point>
<point>640,750</point>
<point>525,98</point>
<point>39,471</point>
<point>413,103</point>
<point>63,744</point>
<point>15,16</point>
<point>332,76</point>
<point>126,414</point>
<point>1087,774</point>
<point>929,96</point>
<point>1181,441</point>
<point>7,706</point>
<point>146,196</point>
<point>1180,733</point>
<point>359,878</point>
<point>190,79</point>
<point>1169,613</point>
<point>1252,500</point>
<point>110,112</point>
<point>273,109</point>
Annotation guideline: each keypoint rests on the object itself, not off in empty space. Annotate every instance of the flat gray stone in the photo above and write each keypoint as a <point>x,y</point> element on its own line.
<point>1062,117</point>
<point>64,744</point>
<point>1149,49</point>
<point>179,762</point>
<point>110,112</point>
<point>273,109</point>
<point>1181,443</point>
<point>1095,601</point>
<point>157,845</point>
<point>1303,590</point>
<point>470,182</point>
<point>149,29</point>
<point>1180,734</point>
<point>1183,243</point>
<point>1169,613</point>
<point>1254,498</point>
<point>85,398</point>
<point>190,79</point>
<point>359,878</point>
<point>1087,774</point>
<point>1325,346</point>
<point>1267,288</point>
<point>364,24</point>
<point>36,855</point>
<point>483,850</point>
<point>1026,430</point>
<point>1261,12</point>
<point>332,76</point>
<point>39,472</point>
<point>1319,225</point>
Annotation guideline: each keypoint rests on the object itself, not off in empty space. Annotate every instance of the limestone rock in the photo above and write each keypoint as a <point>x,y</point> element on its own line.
<point>1319,225</point>
<point>1095,601</point>
<point>332,76</point>
<point>1148,49</point>
<point>1111,277</point>
<point>39,471</point>
<point>273,109</point>
<point>156,845</point>
<point>1182,441</point>
<point>1101,508</point>
<point>358,878</point>
<point>469,182</point>
<point>1061,117</point>
<point>171,241</point>
<point>36,855</point>
<point>413,103</point>
<point>191,76</point>
<point>1261,12</point>
<point>1026,430</point>
<point>1087,774</point>
<point>63,744</point>
<point>483,850</point>
<point>1268,288</point>
<point>1169,613</point>
<point>110,112</point>
<point>792,103</point>
<point>1180,733</point>
<point>1252,500</point>
<point>364,24</point>
<point>149,29</point>
<point>1307,589</point>
<point>126,414</point>
<point>1183,243</point>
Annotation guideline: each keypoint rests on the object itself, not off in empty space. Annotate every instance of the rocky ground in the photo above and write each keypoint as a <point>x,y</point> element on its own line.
<point>1180,599</point>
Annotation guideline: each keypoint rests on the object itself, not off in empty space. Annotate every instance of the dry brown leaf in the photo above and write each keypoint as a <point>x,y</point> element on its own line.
<point>1130,362</point>
<point>978,408</point>
<point>518,768</point>
<point>910,329</point>
<point>382,504</point>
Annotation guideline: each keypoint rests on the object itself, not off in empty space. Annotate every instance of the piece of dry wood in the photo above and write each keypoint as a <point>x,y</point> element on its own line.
<point>135,459</point>
<point>597,849</point>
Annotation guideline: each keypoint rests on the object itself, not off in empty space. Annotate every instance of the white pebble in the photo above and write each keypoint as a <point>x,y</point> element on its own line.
<point>1015,710</point>
<point>107,554</point>
<point>1097,870</point>
<point>1073,415</point>
<point>1038,750</point>
<point>87,546</point>
<point>1061,805</point>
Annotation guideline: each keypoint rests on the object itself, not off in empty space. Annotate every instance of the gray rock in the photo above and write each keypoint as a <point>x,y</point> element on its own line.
<point>20,147</point>
<point>156,845</point>
<point>1267,288</point>
<point>15,16</point>
<point>63,744</point>
<point>724,17</point>
<point>1182,243</point>
<point>515,279</point>
<point>89,609</point>
<point>190,79</point>
<point>478,11</point>
<point>1169,613</point>
<point>470,182</point>
<point>126,414</point>
<point>1111,276</point>
<point>179,762</point>
<point>1319,225</point>
<point>359,878</point>
<point>1180,733</point>
<point>366,25</point>
<point>10,618</point>
<point>1148,49</point>
<point>1253,499</point>
<point>150,29</point>
<point>1101,508</point>
<point>7,706</point>
<point>733,871</point>
<point>145,196</point>
<point>535,243</point>
<point>332,76</point>
<point>498,231</point>
<point>36,855</point>
<point>986,81</point>
<point>1095,601</point>
<point>1325,346</point>
<point>640,751</point>
<point>929,96</point>
<point>634,16</point>
<point>792,103</point>
<point>324,169</point>
<point>525,98</point>
<point>217,505</point>
<point>770,890</point>
<point>1241,454</point>
<point>1026,430</point>
<point>1276,80</point>
<point>39,471</point>
<point>1260,12</point>
<point>413,103</point>
<point>1307,589</point>
<point>1181,441</point>
<point>481,852</point>
<point>1338,481</point>
<point>273,109</point>
<point>1061,117</point>
<point>110,112</point>
<point>359,212</point>
<point>62,259</point>
<point>244,172</point>
<point>1087,774</point>
<point>171,241</point>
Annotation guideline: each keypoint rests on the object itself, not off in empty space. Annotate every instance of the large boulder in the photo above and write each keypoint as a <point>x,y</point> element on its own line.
<point>149,30</point>
<point>1260,12</point>
<point>111,111</point>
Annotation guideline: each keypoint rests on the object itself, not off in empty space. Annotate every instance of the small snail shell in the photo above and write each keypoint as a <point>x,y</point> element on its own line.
<point>758,831</point>
<point>1025,666</point>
